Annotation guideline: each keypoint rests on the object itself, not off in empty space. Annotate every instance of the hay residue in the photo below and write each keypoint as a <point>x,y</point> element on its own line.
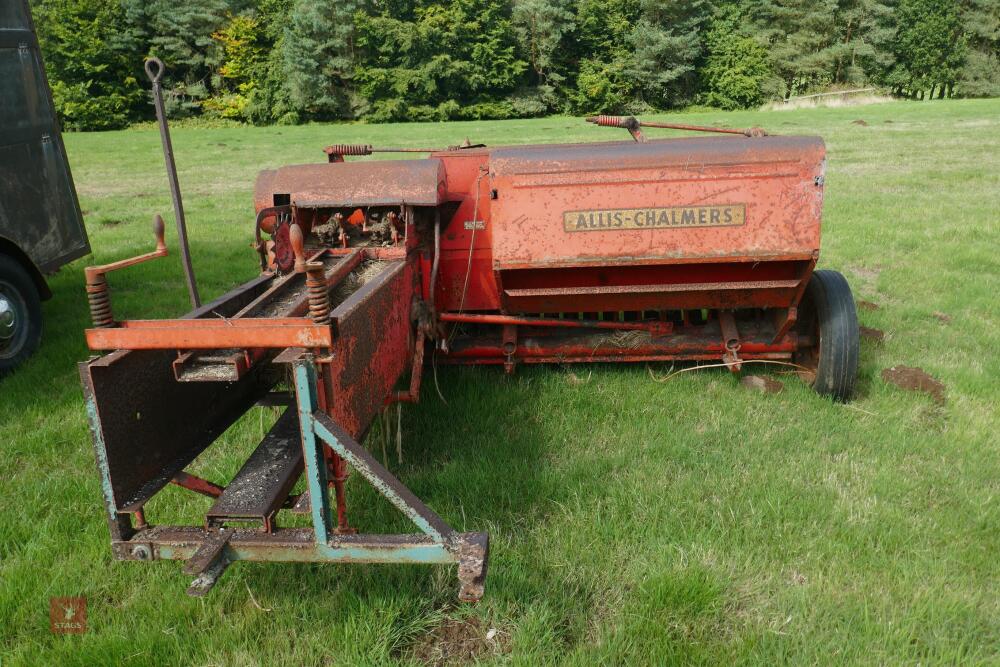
<point>630,339</point>
<point>357,279</point>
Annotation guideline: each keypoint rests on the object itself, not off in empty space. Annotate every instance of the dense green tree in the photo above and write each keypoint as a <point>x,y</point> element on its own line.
<point>319,58</point>
<point>980,75</point>
<point>439,60</point>
<point>865,30</point>
<point>929,47</point>
<point>286,61</point>
<point>801,37</point>
<point>638,54</point>
<point>737,70</point>
<point>180,34</point>
<point>543,27</point>
<point>91,70</point>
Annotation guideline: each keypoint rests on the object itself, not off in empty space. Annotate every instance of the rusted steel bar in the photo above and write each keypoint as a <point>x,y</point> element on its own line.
<point>384,482</point>
<point>154,70</point>
<point>337,152</point>
<point>197,484</point>
<point>632,124</point>
<point>221,334</point>
<point>656,327</point>
<point>686,345</point>
<point>731,339</point>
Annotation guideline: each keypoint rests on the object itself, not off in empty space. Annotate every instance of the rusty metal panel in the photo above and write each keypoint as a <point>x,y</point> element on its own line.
<point>342,184</point>
<point>373,347</point>
<point>768,190</point>
<point>149,426</point>
<point>146,426</point>
<point>262,484</point>
<point>39,212</point>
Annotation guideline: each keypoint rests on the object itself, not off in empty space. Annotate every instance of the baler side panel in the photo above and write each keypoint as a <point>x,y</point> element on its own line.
<point>775,179</point>
<point>373,346</point>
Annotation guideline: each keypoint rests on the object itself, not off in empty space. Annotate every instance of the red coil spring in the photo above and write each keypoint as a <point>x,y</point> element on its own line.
<point>612,121</point>
<point>349,149</point>
<point>319,297</point>
<point>99,300</point>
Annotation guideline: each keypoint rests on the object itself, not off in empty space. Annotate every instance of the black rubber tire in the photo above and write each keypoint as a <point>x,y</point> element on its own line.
<point>829,314</point>
<point>19,289</point>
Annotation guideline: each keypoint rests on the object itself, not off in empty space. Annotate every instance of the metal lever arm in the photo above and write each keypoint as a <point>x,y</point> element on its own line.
<point>154,70</point>
<point>632,124</point>
<point>97,282</point>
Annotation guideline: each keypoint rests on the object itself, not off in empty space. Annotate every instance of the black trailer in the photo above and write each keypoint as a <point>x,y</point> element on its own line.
<point>41,227</point>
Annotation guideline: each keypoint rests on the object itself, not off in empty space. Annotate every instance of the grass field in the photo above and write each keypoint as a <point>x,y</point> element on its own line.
<point>632,522</point>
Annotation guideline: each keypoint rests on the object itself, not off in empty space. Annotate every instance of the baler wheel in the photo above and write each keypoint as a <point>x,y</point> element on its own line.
<point>827,314</point>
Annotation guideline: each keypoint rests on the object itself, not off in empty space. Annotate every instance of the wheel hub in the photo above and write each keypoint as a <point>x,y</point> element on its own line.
<point>8,319</point>
<point>13,321</point>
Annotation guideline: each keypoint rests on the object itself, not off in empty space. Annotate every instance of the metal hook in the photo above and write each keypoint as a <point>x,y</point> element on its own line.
<point>154,69</point>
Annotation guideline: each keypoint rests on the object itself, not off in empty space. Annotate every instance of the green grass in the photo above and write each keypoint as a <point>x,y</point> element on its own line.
<point>632,522</point>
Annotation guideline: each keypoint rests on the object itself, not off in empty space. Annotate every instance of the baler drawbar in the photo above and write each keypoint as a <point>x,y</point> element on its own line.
<point>684,249</point>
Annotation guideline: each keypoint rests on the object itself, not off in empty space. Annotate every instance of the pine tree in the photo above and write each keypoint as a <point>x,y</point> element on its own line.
<point>801,36</point>
<point>929,46</point>
<point>865,31</point>
<point>980,76</point>
<point>638,54</point>
<point>439,60</point>
<point>180,34</point>
<point>736,72</point>
<point>318,54</point>
<point>665,45</point>
<point>542,27</point>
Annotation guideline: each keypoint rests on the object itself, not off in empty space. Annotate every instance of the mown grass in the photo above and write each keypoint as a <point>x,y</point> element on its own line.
<point>633,522</point>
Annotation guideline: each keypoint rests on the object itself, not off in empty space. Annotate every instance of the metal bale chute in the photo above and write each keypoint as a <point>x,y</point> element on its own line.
<point>698,249</point>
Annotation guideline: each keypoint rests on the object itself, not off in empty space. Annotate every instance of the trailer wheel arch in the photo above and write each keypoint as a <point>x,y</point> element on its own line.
<point>10,249</point>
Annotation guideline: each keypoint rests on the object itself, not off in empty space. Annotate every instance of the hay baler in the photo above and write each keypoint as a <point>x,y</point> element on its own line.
<point>693,249</point>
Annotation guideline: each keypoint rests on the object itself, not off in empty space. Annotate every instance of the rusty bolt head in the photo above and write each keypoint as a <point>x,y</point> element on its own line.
<point>142,552</point>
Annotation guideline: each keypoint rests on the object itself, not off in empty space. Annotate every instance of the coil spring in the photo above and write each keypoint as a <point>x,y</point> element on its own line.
<point>319,297</point>
<point>612,121</point>
<point>349,149</point>
<point>99,300</point>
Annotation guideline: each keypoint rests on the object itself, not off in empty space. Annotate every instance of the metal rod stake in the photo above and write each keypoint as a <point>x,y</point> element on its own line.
<point>154,70</point>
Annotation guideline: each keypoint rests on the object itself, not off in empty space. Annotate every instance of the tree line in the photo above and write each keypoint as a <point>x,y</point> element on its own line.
<point>293,61</point>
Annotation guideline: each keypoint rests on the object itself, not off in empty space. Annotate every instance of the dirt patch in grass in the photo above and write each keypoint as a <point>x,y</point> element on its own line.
<point>914,379</point>
<point>874,335</point>
<point>942,317</point>
<point>459,642</point>
<point>867,305</point>
<point>764,385</point>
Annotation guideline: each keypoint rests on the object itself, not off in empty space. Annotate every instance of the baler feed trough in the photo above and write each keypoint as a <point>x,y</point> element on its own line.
<point>640,251</point>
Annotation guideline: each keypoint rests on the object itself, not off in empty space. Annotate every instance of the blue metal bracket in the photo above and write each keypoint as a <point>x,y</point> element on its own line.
<point>441,544</point>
